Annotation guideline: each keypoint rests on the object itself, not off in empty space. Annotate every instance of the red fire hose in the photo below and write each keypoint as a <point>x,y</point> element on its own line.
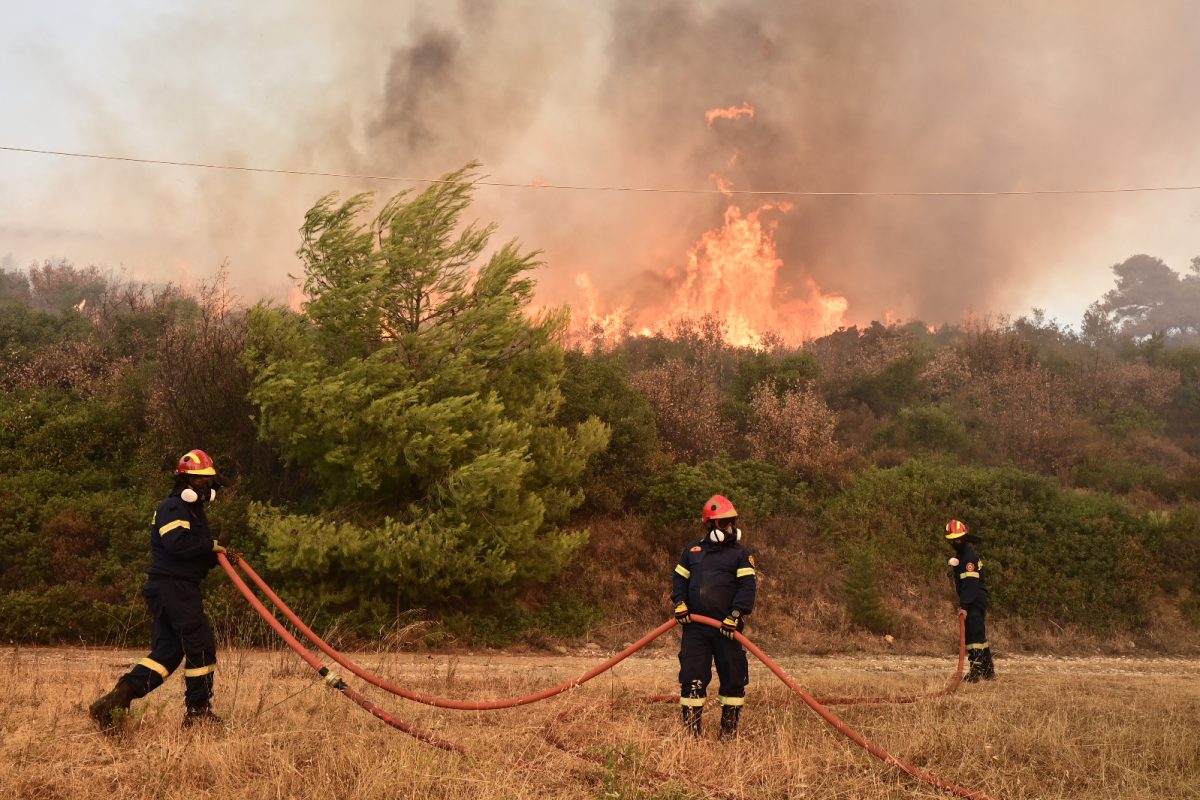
<point>337,683</point>
<point>331,679</point>
<point>441,702</point>
<point>955,680</point>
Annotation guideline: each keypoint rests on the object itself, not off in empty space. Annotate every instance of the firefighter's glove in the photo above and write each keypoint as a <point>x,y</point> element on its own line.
<point>732,624</point>
<point>682,615</point>
<point>219,548</point>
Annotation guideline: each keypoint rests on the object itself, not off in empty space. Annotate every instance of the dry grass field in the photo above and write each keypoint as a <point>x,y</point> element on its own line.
<point>1049,727</point>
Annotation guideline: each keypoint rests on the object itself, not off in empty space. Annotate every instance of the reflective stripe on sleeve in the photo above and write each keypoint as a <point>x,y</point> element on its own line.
<point>745,572</point>
<point>196,672</point>
<point>680,569</point>
<point>968,574</point>
<point>150,663</point>
<point>691,702</point>
<point>170,526</point>
<point>731,701</point>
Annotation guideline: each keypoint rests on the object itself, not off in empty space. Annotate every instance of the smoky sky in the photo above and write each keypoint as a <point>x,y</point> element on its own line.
<point>848,96</point>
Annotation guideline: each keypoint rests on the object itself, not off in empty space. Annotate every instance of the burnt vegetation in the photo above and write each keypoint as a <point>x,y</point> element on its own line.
<point>1074,453</point>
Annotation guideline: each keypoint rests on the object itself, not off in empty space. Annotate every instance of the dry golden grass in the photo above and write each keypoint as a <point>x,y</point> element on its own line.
<point>1048,728</point>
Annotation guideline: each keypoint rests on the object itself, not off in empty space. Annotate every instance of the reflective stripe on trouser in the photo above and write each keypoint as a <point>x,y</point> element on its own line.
<point>701,647</point>
<point>180,631</point>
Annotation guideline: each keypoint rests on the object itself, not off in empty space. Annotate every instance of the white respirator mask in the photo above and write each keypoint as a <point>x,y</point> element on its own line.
<point>718,536</point>
<point>189,495</point>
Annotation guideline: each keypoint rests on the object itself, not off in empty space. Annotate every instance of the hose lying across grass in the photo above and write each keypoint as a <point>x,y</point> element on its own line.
<point>816,704</point>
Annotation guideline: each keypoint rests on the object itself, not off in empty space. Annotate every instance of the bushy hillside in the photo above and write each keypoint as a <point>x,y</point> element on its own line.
<point>1075,455</point>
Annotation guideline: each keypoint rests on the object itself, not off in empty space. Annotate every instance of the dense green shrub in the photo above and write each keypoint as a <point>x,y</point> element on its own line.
<point>1049,552</point>
<point>758,490</point>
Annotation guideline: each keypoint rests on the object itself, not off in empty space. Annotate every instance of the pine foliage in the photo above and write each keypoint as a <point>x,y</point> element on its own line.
<point>422,399</point>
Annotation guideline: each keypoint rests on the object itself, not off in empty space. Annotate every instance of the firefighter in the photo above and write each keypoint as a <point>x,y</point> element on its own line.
<point>183,550</point>
<point>715,578</point>
<point>966,568</point>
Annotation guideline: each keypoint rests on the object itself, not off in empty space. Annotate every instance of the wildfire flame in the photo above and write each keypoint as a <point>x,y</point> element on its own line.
<point>600,330</point>
<point>732,274</point>
<point>733,112</point>
<point>723,185</point>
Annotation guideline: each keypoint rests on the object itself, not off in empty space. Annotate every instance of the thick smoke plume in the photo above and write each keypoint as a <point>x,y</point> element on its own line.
<point>940,96</point>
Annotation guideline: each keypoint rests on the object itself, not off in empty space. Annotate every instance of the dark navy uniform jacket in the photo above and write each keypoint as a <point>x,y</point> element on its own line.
<point>181,543</point>
<point>968,577</point>
<point>715,579</point>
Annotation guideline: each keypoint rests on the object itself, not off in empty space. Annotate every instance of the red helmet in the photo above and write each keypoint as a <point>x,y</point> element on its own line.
<point>718,507</point>
<point>955,529</point>
<point>195,462</point>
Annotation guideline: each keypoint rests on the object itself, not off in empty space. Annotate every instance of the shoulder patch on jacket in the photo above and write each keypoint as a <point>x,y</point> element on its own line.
<point>697,549</point>
<point>970,567</point>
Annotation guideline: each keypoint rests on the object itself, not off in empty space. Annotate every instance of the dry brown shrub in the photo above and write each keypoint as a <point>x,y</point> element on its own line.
<point>80,367</point>
<point>946,374</point>
<point>794,431</point>
<point>686,410</point>
<point>1159,451</point>
<point>75,546</point>
<point>1108,381</point>
<point>1029,417</point>
<point>852,352</point>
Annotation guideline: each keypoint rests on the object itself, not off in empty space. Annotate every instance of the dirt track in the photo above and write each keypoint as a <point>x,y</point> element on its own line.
<point>642,667</point>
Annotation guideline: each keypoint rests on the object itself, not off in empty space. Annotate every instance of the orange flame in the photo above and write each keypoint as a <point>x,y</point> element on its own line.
<point>732,274</point>
<point>723,185</point>
<point>733,112</point>
<point>599,330</point>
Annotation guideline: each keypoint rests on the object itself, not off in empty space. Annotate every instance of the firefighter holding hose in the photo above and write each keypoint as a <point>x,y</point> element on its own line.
<point>714,577</point>
<point>183,550</point>
<point>966,569</point>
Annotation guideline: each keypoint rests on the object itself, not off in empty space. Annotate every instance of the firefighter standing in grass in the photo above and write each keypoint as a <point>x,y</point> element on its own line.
<point>715,578</point>
<point>183,551</point>
<point>966,567</point>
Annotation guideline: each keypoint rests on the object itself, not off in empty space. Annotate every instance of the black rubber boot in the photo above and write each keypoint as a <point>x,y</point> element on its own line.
<point>691,720</point>
<point>110,710</point>
<point>202,716</point>
<point>729,721</point>
<point>975,673</point>
<point>986,667</point>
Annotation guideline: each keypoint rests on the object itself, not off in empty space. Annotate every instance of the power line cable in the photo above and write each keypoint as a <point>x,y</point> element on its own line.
<point>567,187</point>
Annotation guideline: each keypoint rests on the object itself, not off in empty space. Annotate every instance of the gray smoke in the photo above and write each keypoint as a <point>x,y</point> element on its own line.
<point>849,95</point>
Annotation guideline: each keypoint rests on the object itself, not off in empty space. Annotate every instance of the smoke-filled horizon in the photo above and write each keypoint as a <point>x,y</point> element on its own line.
<point>845,96</point>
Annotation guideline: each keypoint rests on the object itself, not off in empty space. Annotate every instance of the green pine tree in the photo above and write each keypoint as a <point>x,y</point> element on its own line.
<point>421,398</point>
<point>864,601</point>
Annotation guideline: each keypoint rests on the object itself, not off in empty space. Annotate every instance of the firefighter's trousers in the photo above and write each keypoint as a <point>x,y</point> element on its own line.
<point>979,651</point>
<point>701,647</point>
<point>182,634</point>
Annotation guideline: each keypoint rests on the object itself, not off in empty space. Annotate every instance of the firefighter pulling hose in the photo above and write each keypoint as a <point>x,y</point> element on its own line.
<point>183,550</point>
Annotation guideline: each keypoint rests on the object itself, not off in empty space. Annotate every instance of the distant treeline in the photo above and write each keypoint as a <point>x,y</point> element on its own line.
<point>415,439</point>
